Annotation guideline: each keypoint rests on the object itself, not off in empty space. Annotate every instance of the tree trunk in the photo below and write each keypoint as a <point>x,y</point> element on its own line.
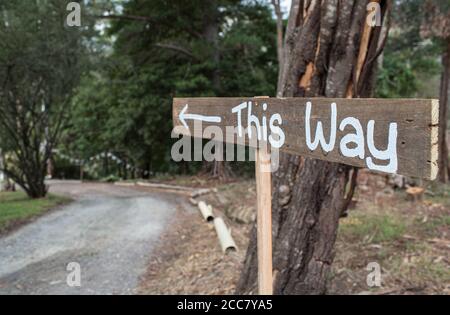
<point>50,167</point>
<point>3,178</point>
<point>220,170</point>
<point>216,169</point>
<point>105,165</point>
<point>280,42</point>
<point>32,182</point>
<point>32,177</point>
<point>211,33</point>
<point>125,170</point>
<point>444,171</point>
<point>37,189</point>
<point>330,51</point>
<point>82,172</point>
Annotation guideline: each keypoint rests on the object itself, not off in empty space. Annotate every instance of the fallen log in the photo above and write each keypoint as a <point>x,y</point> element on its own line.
<point>201,192</point>
<point>124,184</point>
<point>164,186</point>
<point>193,201</point>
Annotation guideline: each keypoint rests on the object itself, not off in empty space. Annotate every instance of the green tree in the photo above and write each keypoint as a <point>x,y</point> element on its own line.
<point>164,49</point>
<point>322,39</point>
<point>436,25</point>
<point>420,36</point>
<point>40,64</point>
<point>408,60</point>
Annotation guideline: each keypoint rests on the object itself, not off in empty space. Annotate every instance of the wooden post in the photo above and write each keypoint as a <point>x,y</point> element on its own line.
<point>264,219</point>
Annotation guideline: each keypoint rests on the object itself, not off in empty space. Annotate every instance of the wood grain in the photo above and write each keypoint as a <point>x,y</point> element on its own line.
<point>264,222</point>
<point>417,120</point>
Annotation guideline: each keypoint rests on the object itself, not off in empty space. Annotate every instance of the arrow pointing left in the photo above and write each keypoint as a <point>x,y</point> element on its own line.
<point>183,117</point>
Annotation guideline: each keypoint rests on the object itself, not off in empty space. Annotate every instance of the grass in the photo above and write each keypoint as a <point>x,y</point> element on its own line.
<point>396,234</point>
<point>422,266</point>
<point>443,221</point>
<point>441,194</point>
<point>16,208</point>
<point>374,229</point>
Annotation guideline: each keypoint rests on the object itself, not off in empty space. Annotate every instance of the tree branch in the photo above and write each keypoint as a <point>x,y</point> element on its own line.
<point>176,48</point>
<point>140,18</point>
<point>125,17</point>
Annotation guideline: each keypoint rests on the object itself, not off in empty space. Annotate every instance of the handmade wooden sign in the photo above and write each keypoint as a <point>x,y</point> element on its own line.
<point>391,136</point>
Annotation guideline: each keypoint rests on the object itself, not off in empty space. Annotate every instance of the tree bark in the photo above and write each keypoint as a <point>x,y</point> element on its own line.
<point>331,52</point>
<point>216,169</point>
<point>2,175</point>
<point>280,42</point>
<point>444,171</point>
<point>212,38</point>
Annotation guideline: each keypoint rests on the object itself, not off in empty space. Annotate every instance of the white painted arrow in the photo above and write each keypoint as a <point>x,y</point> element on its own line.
<point>183,117</point>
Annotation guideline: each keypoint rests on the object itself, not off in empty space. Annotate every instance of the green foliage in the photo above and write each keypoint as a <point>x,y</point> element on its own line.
<point>440,194</point>
<point>409,60</point>
<point>396,78</point>
<point>17,207</point>
<point>382,228</point>
<point>403,74</point>
<point>183,48</point>
<point>41,62</point>
<point>110,179</point>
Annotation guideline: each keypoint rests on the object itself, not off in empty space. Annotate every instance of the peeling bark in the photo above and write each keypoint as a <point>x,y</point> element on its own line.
<point>444,171</point>
<point>280,42</point>
<point>323,46</point>
<point>216,169</point>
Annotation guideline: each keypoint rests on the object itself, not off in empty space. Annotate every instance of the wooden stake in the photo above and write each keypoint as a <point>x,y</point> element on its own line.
<point>264,221</point>
<point>264,216</point>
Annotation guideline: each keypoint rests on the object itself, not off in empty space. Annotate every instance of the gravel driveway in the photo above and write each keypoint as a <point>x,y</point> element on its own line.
<point>109,231</point>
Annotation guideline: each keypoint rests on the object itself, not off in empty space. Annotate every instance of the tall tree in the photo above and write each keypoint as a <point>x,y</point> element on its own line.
<point>330,51</point>
<point>5,146</point>
<point>409,61</point>
<point>437,25</point>
<point>165,49</point>
<point>280,41</point>
<point>39,67</point>
<point>3,179</point>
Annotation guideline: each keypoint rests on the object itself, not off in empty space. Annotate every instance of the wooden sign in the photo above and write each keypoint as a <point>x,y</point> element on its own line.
<point>393,136</point>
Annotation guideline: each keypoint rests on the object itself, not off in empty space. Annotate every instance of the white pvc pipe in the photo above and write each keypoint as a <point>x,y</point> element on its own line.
<point>206,211</point>
<point>226,240</point>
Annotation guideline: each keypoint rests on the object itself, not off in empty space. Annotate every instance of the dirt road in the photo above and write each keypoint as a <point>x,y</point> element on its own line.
<point>109,231</point>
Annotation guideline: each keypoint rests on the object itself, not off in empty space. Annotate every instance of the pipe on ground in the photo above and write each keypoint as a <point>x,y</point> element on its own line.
<point>206,211</point>
<point>226,240</point>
